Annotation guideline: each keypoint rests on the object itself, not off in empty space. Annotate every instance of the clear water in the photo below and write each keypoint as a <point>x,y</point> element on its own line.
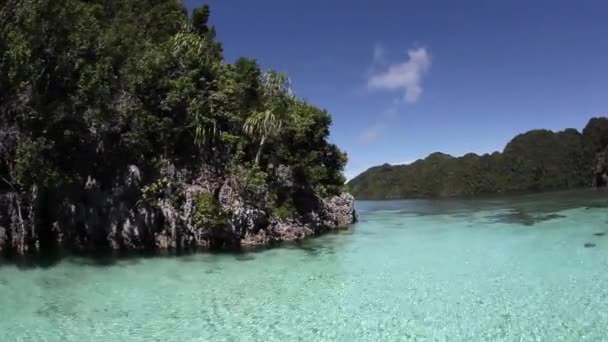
<point>486,270</point>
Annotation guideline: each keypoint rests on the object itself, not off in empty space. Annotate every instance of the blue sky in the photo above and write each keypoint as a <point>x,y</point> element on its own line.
<point>403,79</point>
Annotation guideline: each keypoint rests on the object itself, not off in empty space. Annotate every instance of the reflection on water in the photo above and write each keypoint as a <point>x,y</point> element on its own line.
<point>507,269</point>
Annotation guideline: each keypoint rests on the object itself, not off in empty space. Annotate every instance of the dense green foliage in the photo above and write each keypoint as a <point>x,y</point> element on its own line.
<point>534,161</point>
<point>208,212</point>
<point>90,87</point>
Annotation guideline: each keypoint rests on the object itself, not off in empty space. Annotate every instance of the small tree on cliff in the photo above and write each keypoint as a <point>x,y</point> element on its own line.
<point>267,123</point>
<point>264,124</point>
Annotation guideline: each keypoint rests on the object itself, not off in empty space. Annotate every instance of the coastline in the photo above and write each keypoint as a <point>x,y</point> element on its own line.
<point>486,196</point>
<point>203,212</point>
<point>108,257</point>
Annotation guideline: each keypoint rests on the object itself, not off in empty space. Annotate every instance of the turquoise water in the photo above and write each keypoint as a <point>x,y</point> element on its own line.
<point>507,269</point>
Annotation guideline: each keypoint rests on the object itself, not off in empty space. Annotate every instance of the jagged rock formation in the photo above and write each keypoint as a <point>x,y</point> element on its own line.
<point>600,169</point>
<point>120,219</point>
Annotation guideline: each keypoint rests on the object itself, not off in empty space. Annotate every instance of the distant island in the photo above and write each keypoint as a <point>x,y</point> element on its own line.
<point>538,160</point>
<point>123,128</point>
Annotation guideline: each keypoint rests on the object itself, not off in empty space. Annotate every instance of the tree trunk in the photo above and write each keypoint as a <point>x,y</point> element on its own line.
<point>259,154</point>
<point>21,248</point>
<point>19,211</point>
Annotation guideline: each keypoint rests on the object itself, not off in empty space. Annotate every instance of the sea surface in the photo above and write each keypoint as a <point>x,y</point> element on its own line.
<point>525,268</point>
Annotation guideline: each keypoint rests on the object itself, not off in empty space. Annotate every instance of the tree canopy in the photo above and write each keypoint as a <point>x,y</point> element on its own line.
<point>90,87</point>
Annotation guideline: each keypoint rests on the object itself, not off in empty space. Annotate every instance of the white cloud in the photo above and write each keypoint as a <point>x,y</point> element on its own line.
<point>406,76</point>
<point>371,134</point>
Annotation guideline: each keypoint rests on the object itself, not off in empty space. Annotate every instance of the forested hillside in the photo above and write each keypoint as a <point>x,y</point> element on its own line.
<point>121,126</point>
<point>537,160</point>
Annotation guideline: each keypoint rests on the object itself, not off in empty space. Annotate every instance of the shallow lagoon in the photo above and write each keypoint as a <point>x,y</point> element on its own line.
<point>519,268</point>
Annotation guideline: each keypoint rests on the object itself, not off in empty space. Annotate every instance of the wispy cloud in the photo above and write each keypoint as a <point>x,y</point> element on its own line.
<point>393,109</point>
<point>379,54</point>
<point>371,134</point>
<point>405,76</point>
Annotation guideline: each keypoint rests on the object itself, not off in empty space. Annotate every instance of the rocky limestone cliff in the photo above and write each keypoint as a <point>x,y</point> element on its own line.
<point>121,218</point>
<point>600,169</point>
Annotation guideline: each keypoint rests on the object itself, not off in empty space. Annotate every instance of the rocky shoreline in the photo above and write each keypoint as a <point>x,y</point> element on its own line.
<point>92,219</point>
<point>129,133</point>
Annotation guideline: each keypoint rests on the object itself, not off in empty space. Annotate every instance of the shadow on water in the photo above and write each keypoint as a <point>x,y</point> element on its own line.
<point>245,257</point>
<point>526,210</point>
<point>313,246</point>
<point>522,217</point>
<point>326,245</point>
<point>101,259</point>
<point>313,249</point>
<point>461,215</point>
<point>45,259</point>
<point>598,205</point>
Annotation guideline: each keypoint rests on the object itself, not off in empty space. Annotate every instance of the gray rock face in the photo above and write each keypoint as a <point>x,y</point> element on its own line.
<point>284,176</point>
<point>247,220</point>
<point>600,169</point>
<point>336,212</point>
<point>339,211</point>
<point>3,238</point>
<point>118,218</point>
<point>292,231</point>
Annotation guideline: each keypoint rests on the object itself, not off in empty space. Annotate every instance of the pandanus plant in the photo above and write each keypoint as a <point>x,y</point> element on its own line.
<point>263,125</point>
<point>268,122</point>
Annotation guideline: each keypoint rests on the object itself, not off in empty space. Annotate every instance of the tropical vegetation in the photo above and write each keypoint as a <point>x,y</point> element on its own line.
<point>538,160</point>
<point>91,88</point>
